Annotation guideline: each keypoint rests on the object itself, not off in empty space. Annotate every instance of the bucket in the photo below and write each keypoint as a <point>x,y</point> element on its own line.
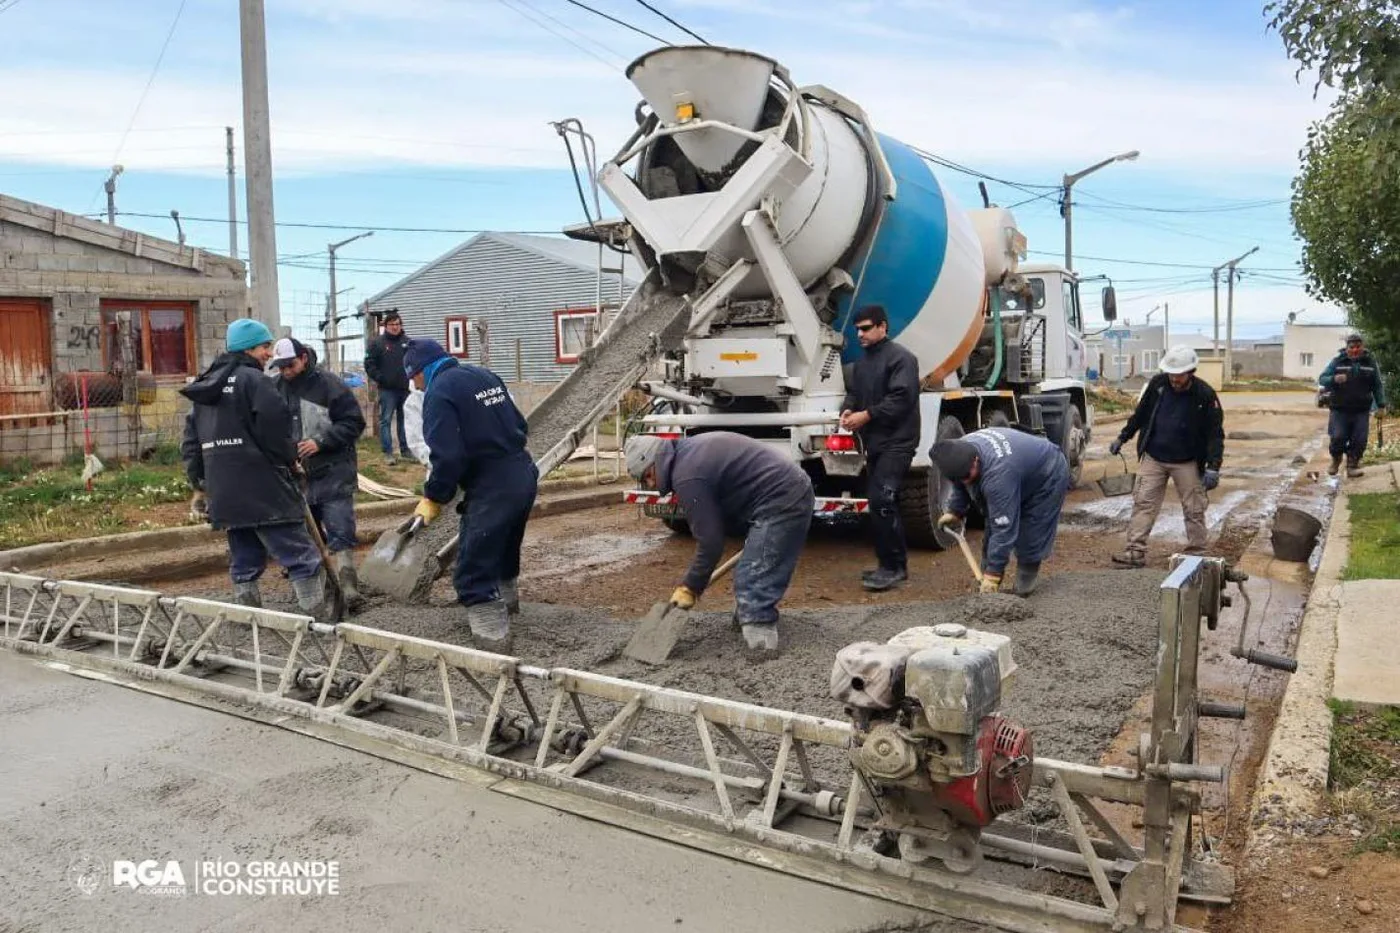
<point>1295,534</point>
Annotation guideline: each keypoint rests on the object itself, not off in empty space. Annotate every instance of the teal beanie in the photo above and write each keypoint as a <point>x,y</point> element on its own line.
<point>246,333</point>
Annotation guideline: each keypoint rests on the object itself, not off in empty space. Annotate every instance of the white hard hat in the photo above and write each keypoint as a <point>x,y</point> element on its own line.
<point>641,452</point>
<point>1179,359</point>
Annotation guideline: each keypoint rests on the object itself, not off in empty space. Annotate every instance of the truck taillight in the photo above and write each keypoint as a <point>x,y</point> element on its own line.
<point>840,442</point>
<point>667,435</point>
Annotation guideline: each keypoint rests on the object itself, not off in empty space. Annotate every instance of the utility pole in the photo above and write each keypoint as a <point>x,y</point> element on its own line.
<point>332,302</point>
<point>1229,310</point>
<point>1067,204</point>
<point>232,197</point>
<point>257,157</point>
<point>110,186</point>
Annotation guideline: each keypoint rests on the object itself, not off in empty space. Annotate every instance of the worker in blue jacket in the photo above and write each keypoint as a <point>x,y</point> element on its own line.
<point>1020,481</point>
<point>476,442</point>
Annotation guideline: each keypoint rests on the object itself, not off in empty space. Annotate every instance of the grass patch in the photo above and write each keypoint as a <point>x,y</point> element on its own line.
<point>1364,773</point>
<point>54,504</point>
<point>1375,537</point>
<point>1110,401</point>
<point>1377,452</point>
<point>1271,385</point>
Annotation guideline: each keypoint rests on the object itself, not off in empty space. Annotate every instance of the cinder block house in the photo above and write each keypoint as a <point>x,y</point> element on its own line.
<point>105,321</point>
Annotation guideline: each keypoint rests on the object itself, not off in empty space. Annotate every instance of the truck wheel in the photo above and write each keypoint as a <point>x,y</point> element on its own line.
<point>1074,447</point>
<point>677,526</point>
<point>922,496</point>
<point>998,419</point>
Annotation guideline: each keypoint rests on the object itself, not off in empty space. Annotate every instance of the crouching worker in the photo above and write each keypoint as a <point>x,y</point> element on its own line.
<point>725,480</point>
<point>476,443</point>
<point>239,454</point>
<point>326,423</point>
<point>1020,482</point>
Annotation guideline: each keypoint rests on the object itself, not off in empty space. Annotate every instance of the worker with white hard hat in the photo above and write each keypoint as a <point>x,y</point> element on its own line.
<point>1180,429</point>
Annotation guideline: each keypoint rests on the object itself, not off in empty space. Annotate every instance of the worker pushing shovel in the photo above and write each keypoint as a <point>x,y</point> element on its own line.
<point>724,480</point>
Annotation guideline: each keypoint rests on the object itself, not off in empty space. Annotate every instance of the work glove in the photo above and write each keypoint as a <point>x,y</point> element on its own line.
<point>428,510</point>
<point>949,520</point>
<point>683,598</point>
<point>991,582</point>
<point>1115,448</point>
<point>1211,479</point>
<point>199,507</point>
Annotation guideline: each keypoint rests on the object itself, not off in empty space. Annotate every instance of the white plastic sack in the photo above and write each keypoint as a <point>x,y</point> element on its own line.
<point>91,467</point>
<point>413,425</point>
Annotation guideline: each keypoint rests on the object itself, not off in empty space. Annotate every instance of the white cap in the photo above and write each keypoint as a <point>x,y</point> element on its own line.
<point>1179,359</point>
<point>284,352</point>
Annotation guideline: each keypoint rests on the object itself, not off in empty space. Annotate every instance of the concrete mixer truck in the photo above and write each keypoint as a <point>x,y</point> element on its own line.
<point>768,213</point>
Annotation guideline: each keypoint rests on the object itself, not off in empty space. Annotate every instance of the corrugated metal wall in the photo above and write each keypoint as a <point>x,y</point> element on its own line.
<point>516,291</point>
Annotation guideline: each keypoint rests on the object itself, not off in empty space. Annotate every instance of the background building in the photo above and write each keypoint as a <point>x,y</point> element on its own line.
<point>1308,347</point>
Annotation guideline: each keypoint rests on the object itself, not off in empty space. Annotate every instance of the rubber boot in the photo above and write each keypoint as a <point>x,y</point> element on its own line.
<point>247,594</point>
<point>1027,575</point>
<point>884,579</point>
<point>344,564</point>
<point>761,638</point>
<point>311,598</point>
<point>510,595</point>
<point>490,625</point>
<point>1335,465</point>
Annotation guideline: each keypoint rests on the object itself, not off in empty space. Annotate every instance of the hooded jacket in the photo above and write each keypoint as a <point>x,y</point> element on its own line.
<point>471,427</point>
<point>238,446</point>
<point>1363,388</point>
<point>1207,419</point>
<point>384,361</point>
<point>885,383</point>
<point>324,410</point>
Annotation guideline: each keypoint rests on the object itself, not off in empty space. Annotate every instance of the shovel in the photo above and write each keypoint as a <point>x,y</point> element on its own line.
<point>1120,484</point>
<point>966,552</point>
<point>659,630</point>
<point>398,560</point>
<point>332,580</point>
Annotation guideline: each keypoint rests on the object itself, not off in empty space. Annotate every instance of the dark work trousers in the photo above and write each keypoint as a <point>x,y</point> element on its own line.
<point>495,508</point>
<point>289,544</point>
<point>336,519</point>
<point>1349,431</point>
<point>391,402</point>
<point>771,549</point>
<point>885,472</point>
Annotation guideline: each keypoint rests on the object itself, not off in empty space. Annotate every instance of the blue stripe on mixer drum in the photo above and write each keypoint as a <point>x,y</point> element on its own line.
<point>909,249</point>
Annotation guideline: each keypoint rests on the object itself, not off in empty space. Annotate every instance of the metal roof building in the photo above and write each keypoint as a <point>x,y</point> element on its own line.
<point>524,305</point>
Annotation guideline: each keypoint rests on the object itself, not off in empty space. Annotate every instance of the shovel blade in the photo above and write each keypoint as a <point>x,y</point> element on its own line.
<point>397,563</point>
<point>657,633</point>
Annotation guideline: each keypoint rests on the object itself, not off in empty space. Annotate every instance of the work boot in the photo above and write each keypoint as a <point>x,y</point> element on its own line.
<point>1130,558</point>
<point>311,598</point>
<point>246,594</point>
<point>1335,465</point>
<point>1354,469</point>
<point>884,579</point>
<point>761,637</point>
<point>490,625</point>
<point>391,460</point>
<point>344,564</point>
<point>510,595</point>
<point>1026,578</point>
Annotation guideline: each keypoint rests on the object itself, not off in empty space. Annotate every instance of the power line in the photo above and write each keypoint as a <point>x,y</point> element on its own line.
<point>1027,187</point>
<point>509,5</point>
<point>1148,262</point>
<point>155,70</point>
<point>1109,204</point>
<point>690,32</point>
<point>332,226</point>
<point>623,23</point>
<point>4,6</point>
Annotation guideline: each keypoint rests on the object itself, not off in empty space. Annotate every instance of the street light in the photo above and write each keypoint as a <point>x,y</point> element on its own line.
<point>332,305</point>
<point>110,186</point>
<point>1067,206</point>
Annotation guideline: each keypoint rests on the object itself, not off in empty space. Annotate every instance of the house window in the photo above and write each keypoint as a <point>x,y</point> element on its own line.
<point>1150,358</point>
<point>155,337</point>
<point>1305,359</point>
<point>574,332</point>
<point>457,337</point>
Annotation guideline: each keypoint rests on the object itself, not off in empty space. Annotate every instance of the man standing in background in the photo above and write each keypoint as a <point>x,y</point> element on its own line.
<point>384,367</point>
<point>882,406</point>
<point>1354,383</point>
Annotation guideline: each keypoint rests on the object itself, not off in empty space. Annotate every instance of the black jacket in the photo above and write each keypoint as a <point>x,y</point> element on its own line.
<point>1363,387</point>
<point>325,411</point>
<point>384,362</point>
<point>238,445</point>
<point>885,383</point>
<point>1208,421</point>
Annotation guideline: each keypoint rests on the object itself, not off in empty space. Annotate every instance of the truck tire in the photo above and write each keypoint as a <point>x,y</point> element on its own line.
<point>677,526</point>
<point>1074,447</point>
<point>998,419</point>
<point>922,496</point>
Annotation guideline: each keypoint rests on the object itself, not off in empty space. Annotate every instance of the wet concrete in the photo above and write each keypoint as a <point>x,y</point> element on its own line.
<point>95,773</point>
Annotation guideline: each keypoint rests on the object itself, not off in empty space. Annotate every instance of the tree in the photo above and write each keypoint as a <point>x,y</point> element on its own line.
<point>1353,44</point>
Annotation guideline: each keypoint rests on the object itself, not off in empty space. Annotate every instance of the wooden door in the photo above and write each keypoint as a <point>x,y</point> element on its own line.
<point>26,360</point>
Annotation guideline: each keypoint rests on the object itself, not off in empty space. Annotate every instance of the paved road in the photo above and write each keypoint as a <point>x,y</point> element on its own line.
<point>93,772</point>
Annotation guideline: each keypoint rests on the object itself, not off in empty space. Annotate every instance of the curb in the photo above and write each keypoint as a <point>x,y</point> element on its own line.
<point>188,536</point>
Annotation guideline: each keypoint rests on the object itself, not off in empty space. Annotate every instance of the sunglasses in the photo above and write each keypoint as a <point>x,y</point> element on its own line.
<point>862,328</point>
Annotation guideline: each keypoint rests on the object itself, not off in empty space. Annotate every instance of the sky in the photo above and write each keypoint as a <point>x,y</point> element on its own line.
<point>428,120</point>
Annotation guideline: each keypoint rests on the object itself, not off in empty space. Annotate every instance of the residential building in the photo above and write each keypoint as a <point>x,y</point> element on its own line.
<point>99,328</point>
<point>1133,358</point>
<point>1308,347</point>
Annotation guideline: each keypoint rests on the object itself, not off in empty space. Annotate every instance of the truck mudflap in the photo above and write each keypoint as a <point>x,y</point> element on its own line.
<point>657,505</point>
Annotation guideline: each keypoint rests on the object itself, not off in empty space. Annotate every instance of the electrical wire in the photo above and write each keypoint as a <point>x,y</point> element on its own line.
<point>621,22</point>
<point>7,6</point>
<point>510,5</point>
<point>332,226</point>
<point>1224,207</point>
<point>690,32</point>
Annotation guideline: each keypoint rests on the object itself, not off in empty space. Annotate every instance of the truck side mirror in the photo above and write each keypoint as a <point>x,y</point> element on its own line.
<point>1109,301</point>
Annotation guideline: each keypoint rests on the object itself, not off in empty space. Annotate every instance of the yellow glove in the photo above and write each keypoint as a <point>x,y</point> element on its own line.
<point>427,510</point>
<point>683,598</point>
<point>949,520</point>
<point>991,582</point>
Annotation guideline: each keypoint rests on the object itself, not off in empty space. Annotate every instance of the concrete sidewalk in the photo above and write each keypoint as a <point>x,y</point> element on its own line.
<point>1368,658</point>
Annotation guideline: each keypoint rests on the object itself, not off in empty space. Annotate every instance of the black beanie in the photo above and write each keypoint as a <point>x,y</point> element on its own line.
<point>954,458</point>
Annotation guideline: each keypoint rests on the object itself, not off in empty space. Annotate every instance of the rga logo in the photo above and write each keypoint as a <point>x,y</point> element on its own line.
<point>150,876</point>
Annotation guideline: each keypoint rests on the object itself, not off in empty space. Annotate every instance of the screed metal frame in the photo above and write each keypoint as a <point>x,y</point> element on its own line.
<point>328,681</point>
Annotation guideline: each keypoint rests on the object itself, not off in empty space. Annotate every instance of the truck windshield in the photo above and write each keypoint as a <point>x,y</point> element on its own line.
<point>1014,301</point>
